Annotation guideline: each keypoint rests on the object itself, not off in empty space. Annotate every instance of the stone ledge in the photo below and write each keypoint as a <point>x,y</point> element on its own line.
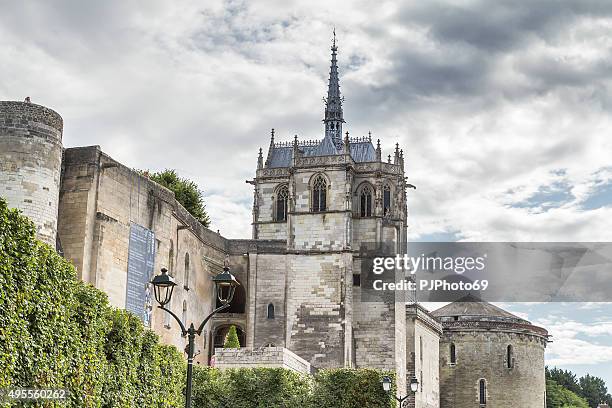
<point>271,357</point>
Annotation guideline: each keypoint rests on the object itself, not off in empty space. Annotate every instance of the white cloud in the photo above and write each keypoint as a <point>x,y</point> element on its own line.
<point>577,342</point>
<point>487,114</point>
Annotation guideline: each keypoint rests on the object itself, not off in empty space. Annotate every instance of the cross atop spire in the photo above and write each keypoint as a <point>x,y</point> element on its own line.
<point>333,103</point>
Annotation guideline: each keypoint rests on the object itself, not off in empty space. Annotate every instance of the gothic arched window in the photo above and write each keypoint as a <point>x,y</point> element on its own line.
<point>187,270</point>
<point>386,200</point>
<point>270,311</point>
<point>482,391</point>
<point>365,207</point>
<point>282,197</point>
<point>319,194</point>
<point>509,357</point>
<point>453,354</point>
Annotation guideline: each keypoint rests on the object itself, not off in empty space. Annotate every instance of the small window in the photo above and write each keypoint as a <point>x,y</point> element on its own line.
<point>509,357</point>
<point>421,348</point>
<point>171,259</point>
<point>319,194</point>
<point>187,270</point>
<point>282,197</point>
<point>482,392</point>
<point>356,279</point>
<point>270,311</point>
<point>184,312</point>
<point>366,202</point>
<point>453,354</point>
<point>387,199</point>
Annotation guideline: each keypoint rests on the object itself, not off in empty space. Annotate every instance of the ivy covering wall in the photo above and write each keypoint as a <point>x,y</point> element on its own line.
<point>58,332</point>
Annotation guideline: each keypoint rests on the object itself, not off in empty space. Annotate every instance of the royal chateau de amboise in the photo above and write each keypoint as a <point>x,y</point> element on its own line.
<point>299,304</point>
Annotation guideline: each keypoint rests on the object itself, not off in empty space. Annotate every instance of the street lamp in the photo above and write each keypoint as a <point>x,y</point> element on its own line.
<point>414,387</point>
<point>225,285</point>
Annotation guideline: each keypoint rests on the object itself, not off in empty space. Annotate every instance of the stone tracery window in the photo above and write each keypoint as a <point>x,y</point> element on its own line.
<point>319,194</point>
<point>365,207</point>
<point>282,199</point>
<point>386,199</point>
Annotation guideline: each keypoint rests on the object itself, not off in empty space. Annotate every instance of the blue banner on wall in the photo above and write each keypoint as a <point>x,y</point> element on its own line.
<point>141,263</point>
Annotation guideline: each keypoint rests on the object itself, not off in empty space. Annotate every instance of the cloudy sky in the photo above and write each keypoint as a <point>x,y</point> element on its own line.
<point>503,108</point>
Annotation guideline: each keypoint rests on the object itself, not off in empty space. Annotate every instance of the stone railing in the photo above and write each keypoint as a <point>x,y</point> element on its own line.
<point>271,357</point>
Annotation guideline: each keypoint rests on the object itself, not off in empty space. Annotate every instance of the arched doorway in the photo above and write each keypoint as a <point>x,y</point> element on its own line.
<point>221,332</point>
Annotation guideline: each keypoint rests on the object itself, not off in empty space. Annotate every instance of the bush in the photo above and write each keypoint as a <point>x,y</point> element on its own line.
<point>58,332</point>
<point>231,340</point>
<point>345,388</point>
<point>281,388</point>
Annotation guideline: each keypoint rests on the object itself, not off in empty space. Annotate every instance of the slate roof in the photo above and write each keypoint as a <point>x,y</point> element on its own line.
<point>472,309</point>
<point>360,152</point>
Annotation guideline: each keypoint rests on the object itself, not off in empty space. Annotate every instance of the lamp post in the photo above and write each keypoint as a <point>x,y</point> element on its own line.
<point>414,387</point>
<point>164,284</point>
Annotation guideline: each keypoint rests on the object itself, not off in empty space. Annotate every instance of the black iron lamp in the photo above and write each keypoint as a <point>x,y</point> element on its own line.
<point>386,384</point>
<point>414,385</point>
<point>163,286</point>
<point>225,285</point>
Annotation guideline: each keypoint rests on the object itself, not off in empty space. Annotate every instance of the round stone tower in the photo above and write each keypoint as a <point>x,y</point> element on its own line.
<point>30,163</point>
<point>490,358</point>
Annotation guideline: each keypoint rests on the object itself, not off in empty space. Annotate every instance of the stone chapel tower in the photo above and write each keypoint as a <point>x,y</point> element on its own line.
<point>324,199</point>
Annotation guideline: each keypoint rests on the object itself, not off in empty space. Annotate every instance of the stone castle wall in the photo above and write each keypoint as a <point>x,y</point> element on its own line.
<point>30,163</point>
<point>482,354</point>
<point>100,198</point>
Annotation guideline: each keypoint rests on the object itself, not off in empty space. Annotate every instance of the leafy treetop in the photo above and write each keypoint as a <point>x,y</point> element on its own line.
<point>186,192</point>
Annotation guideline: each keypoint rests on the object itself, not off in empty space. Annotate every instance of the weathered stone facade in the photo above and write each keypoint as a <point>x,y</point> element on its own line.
<point>30,163</point>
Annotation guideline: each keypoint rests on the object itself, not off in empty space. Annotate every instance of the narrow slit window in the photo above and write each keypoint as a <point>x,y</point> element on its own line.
<point>270,311</point>
<point>187,271</point>
<point>453,354</point>
<point>509,357</point>
<point>482,392</point>
<point>387,200</point>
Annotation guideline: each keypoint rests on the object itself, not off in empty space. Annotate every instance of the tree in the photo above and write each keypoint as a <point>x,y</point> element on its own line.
<point>594,390</point>
<point>186,192</point>
<point>560,397</point>
<point>564,378</point>
<point>231,340</point>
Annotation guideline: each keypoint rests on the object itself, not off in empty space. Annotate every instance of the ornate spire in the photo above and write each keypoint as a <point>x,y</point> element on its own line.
<point>271,148</point>
<point>333,103</point>
<point>378,151</point>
